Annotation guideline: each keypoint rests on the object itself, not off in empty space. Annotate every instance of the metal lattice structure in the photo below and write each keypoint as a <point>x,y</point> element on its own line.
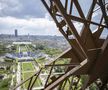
<point>88,53</point>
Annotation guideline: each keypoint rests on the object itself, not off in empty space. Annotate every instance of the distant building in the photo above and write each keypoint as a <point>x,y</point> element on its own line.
<point>16,33</point>
<point>28,36</point>
<point>22,42</point>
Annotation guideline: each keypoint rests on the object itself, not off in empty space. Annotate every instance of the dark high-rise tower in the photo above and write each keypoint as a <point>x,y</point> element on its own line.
<point>16,33</point>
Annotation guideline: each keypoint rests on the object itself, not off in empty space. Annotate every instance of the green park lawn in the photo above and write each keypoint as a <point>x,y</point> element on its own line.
<point>29,74</point>
<point>23,49</point>
<point>17,48</point>
<point>27,66</point>
<point>29,48</point>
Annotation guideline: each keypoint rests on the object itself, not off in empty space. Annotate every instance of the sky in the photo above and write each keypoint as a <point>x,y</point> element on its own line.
<point>27,16</point>
<point>30,16</point>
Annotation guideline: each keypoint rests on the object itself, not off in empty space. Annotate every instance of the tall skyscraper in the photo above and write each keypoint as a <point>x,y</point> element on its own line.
<point>28,36</point>
<point>16,33</point>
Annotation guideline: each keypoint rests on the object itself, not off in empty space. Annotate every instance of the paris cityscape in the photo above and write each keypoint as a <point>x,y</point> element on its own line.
<point>22,55</point>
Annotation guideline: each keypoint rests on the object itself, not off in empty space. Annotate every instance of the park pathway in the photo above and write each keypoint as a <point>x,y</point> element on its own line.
<point>18,76</point>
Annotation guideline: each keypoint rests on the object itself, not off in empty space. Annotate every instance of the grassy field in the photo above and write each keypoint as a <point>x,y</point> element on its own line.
<point>27,75</point>
<point>27,66</point>
<point>27,71</point>
<point>17,49</point>
<point>23,49</point>
<point>29,48</point>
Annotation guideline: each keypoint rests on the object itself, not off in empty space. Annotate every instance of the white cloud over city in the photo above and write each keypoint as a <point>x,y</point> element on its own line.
<point>28,16</point>
<point>34,26</point>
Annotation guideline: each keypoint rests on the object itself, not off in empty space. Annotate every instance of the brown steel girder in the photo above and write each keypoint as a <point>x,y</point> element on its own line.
<point>93,50</point>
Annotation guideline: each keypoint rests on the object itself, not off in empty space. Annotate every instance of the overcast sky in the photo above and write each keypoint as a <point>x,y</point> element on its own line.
<point>30,16</point>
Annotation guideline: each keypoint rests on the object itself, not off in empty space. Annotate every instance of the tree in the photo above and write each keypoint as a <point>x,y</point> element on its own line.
<point>4,84</point>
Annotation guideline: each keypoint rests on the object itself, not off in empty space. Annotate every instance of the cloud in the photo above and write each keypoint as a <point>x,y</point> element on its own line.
<point>22,8</point>
<point>8,7</point>
<point>34,26</point>
<point>29,16</point>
